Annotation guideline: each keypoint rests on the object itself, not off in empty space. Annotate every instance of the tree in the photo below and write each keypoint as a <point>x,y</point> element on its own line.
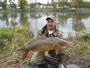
<point>1,4</point>
<point>4,4</point>
<point>32,5</point>
<point>12,4</point>
<point>62,3</point>
<point>23,4</point>
<point>85,5</point>
<point>76,3</point>
<point>59,4</point>
<point>53,4</point>
<point>48,4</point>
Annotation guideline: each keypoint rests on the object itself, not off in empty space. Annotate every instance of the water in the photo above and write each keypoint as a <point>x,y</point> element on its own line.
<point>67,22</point>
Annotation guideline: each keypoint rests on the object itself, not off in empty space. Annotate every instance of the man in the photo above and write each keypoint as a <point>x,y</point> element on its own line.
<point>49,30</point>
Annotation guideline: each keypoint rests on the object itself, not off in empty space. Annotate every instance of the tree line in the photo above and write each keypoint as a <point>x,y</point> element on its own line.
<point>60,3</point>
<point>70,3</point>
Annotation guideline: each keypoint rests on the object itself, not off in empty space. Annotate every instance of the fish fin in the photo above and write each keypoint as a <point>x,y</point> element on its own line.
<point>24,53</point>
<point>57,51</point>
<point>46,53</point>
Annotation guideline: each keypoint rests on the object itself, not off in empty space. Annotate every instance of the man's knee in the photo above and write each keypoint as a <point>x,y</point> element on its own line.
<point>60,55</point>
<point>37,58</point>
<point>62,51</point>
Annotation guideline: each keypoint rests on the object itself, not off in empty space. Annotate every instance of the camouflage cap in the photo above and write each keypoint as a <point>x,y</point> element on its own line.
<point>51,17</point>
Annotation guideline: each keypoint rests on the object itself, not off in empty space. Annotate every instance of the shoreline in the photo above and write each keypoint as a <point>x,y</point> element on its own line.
<point>47,10</point>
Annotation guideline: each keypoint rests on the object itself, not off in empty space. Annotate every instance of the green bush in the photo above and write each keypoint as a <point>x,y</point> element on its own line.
<point>86,36</point>
<point>79,48</point>
<point>14,36</point>
<point>5,35</point>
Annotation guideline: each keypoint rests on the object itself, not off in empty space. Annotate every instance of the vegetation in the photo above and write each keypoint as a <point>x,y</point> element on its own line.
<point>53,4</point>
<point>4,4</point>
<point>13,38</point>
<point>23,4</point>
<point>86,36</point>
<point>81,47</point>
<point>13,5</point>
<point>34,5</point>
<point>78,51</point>
<point>85,5</point>
<point>77,3</point>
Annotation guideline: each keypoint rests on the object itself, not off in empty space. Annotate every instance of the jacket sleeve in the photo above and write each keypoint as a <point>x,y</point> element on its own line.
<point>39,34</point>
<point>60,34</point>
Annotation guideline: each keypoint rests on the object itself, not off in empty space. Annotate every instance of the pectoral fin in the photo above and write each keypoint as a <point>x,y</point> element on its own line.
<point>46,53</point>
<point>57,50</point>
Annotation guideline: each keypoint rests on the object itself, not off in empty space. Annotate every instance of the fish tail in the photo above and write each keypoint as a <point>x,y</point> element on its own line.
<point>24,53</point>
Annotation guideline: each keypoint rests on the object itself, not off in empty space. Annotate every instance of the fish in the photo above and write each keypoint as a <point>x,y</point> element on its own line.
<point>43,45</point>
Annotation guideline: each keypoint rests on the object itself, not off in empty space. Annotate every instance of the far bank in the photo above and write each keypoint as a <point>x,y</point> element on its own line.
<point>71,10</point>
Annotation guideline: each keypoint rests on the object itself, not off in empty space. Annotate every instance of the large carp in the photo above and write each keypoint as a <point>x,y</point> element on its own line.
<point>43,45</point>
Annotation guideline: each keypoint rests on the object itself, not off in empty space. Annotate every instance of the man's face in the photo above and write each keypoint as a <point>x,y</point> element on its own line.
<point>51,24</point>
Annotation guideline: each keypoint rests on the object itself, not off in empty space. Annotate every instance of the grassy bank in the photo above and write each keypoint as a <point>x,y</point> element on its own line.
<point>11,39</point>
<point>79,51</point>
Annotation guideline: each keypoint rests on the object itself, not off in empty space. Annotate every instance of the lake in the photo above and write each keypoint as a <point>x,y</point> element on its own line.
<point>69,23</point>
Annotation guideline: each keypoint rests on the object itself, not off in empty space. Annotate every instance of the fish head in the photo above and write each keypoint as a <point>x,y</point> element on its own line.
<point>61,43</point>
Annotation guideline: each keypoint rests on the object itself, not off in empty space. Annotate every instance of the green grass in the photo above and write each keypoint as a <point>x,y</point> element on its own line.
<point>88,51</point>
<point>12,38</point>
<point>81,48</point>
